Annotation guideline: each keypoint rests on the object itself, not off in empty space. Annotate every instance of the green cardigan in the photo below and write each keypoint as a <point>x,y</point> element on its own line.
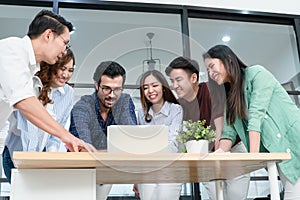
<point>272,113</point>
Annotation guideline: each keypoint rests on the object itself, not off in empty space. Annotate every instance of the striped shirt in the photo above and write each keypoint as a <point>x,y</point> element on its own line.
<point>24,136</point>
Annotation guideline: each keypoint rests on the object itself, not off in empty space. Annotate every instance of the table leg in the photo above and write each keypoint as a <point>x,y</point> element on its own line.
<point>196,191</point>
<point>272,172</point>
<point>219,190</point>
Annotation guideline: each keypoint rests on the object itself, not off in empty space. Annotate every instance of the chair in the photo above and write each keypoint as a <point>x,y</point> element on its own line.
<point>290,88</point>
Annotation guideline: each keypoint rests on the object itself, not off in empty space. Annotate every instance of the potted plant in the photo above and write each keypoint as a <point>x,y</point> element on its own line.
<point>196,136</point>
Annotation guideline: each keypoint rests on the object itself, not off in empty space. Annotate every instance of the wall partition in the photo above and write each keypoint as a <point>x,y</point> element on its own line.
<point>135,34</point>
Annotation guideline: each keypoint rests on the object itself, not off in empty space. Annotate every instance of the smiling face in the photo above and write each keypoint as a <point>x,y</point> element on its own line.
<point>56,45</point>
<point>153,90</point>
<point>182,83</point>
<point>109,90</point>
<point>216,70</point>
<point>62,75</point>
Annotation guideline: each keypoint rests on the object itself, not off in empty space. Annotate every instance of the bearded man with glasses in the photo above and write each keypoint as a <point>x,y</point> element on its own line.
<point>92,114</point>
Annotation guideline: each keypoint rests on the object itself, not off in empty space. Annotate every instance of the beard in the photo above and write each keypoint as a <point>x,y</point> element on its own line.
<point>109,102</point>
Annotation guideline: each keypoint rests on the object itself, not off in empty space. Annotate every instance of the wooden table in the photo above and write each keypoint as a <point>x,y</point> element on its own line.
<point>66,175</point>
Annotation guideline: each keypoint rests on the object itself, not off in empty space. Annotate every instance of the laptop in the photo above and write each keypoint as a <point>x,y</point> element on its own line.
<point>137,139</point>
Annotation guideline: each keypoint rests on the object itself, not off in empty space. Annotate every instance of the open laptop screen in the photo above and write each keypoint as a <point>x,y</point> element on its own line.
<point>137,139</point>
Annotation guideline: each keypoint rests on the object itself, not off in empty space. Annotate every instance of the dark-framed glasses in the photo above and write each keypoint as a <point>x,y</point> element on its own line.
<point>67,43</point>
<point>107,90</point>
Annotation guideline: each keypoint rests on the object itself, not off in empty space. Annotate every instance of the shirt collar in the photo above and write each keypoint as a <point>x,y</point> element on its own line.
<point>34,66</point>
<point>37,83</point>
<point>59,89</point>
<point>164,110</point>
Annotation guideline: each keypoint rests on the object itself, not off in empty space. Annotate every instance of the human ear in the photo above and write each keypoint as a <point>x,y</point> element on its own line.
<point>194,77</point>
<point>96,85</point>
<point>47,34</point>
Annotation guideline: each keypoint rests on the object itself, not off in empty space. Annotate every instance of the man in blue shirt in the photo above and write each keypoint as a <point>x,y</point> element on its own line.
<point>92,114</point>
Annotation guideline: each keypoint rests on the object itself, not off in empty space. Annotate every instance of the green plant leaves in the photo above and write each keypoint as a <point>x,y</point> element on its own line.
<point>195,131</point>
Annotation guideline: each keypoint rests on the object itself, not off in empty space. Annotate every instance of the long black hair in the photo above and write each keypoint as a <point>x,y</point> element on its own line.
<point>167,93</point>
<point>235,68</point>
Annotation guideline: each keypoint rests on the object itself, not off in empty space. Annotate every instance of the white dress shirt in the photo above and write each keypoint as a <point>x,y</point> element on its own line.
<point>17,67</point>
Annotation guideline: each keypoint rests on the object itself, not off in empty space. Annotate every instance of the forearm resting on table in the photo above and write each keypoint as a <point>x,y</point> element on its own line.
<point>225,145</point>
<point>254,138</point>
<point>35,112</point>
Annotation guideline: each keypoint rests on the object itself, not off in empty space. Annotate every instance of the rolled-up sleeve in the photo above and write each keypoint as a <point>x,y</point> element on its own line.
<point>229,132</point>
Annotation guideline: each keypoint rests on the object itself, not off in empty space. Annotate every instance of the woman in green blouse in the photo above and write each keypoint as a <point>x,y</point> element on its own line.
<point>259,111</point>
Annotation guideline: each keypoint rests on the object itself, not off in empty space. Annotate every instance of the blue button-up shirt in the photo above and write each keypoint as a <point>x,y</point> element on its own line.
<point>24,136</point>
<point>88,124</point>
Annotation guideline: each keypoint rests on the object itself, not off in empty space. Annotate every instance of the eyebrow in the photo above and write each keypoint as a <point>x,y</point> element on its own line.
<point>211,64</point>
<point>177,77</point>
<point>111,87</point>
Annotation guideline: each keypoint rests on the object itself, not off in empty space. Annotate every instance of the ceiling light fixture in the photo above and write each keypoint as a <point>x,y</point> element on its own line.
<point>226,38</point>
<point>151,62</point>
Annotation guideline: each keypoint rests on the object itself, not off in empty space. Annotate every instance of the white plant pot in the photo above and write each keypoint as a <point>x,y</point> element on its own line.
<point>200,146</point>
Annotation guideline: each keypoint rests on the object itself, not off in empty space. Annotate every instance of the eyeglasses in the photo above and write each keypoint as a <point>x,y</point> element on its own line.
<point>67,43</point>
<point>107,90</point>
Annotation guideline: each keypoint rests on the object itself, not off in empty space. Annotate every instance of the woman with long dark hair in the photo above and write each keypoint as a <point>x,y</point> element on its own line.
<point>159,107</point>
<point>259,111</point>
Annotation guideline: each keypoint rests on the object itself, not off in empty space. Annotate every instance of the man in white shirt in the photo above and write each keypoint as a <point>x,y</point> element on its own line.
<point>46,41</point>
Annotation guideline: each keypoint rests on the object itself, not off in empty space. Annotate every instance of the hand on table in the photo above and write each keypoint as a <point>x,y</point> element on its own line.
<point>75,144</point>
<point>88,148</point>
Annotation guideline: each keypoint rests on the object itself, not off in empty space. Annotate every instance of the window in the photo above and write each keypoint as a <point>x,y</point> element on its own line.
<point>121,36</point>
<point>270,45</point>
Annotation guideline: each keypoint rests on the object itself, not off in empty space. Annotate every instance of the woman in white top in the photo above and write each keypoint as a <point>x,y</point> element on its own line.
<point>159,106</point>
<point>57,97</point>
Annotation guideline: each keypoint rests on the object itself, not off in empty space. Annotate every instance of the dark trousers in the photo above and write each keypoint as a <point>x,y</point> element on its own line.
<point>7,164</point>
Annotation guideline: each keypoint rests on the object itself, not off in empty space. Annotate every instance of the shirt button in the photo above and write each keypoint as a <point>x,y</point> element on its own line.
<point>288,150</point>
<point>266,116</point>
<point>278,135</point>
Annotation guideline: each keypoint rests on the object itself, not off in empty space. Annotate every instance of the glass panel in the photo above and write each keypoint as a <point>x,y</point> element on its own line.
<point>14,20</point>
<point>122,36</point>
<point>273,46</point>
